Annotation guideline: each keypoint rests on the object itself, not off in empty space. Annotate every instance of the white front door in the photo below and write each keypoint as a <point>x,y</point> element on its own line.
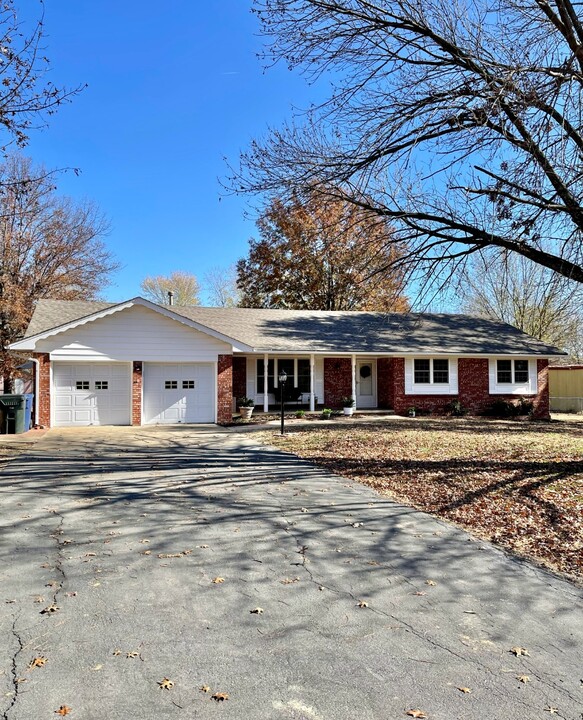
<point>91,393</point>
<point>366,384</point>
<point>179,393</point>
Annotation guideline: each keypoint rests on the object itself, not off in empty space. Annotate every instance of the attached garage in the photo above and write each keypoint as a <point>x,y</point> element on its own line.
<point>91,393</point>
<point>179,393</point>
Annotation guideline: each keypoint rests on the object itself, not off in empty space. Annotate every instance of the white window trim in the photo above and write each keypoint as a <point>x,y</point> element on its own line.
<point>527,388</point>
<point>431,388</point>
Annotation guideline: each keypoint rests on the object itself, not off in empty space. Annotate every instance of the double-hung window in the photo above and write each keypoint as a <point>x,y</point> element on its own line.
<point>511,372</point>
<point>431,371</point>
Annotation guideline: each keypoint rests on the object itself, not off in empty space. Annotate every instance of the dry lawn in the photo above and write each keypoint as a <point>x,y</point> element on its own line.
<point>517,484</point>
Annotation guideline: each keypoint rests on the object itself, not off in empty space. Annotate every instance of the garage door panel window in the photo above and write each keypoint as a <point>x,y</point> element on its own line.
<point>102,384</point>
<point>188,384</point>
<point>82,385</point>
<point>170,384</point>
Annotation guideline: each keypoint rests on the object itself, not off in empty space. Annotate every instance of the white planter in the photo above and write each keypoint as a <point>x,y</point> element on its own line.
<point>349,411</point>
<point>246,412</point>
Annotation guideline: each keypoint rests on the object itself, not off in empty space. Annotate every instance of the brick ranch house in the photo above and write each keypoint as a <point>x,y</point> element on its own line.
<point>136,362</point>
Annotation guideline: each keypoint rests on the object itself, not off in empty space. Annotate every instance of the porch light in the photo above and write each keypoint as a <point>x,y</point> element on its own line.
<point>282,377</point>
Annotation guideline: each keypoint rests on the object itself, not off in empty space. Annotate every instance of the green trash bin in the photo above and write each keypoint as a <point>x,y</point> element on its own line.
<point>13,414</point>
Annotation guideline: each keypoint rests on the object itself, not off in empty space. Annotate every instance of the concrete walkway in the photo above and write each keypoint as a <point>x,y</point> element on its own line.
<point>153,547</point>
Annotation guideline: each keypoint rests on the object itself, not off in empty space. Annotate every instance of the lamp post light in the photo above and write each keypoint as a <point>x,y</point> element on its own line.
<point>282,377</point>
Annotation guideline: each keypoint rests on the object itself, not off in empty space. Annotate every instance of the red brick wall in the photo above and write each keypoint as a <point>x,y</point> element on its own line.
<point>43,390</point>
<point>137,392</point>
<point>337,381</point>
<point>473,390</point>
<point>385,383</point>
<point>239,377</point>
<point>542,402</point>
<point>225,389</point>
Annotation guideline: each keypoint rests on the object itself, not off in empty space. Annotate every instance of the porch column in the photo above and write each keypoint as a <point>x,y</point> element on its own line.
<point>265,383</point>
<point>354,379</point>
<point>312,396</point>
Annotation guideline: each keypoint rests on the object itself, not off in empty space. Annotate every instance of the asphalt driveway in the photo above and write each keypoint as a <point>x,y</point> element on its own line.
<point>148,551</point>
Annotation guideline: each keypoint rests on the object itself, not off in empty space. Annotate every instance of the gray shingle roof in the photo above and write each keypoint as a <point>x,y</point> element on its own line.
<point>320,331</point>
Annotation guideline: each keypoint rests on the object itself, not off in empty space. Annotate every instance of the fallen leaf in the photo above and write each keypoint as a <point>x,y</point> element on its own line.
<point>419,592</point>
<point>63,710</point>
<point>117,651</point>
<point>205,689</point>
<point>357,525</point>
<point>53,584</point>
<point>218,580</point>
<point>465,690</point>
<point>166,684</point>
<point>144,541</point>
<point>416,713</point>
<point>39,661</point>
<point>517,650</point>
<point>305,510</point>
<point>523,678</point>
<point>132,654</point>
<point>71,594</point>
<point>552,710</point>
<point>146,552</point>
<point>289,581</point>
<point>430,582</point>
<point>97,667</point>
<point>372,562</point>
<point>203,547</point>
<point>256,611</point>
<point>219,696</point>
<point>362,604</point>
<point>90,554</point>
<point>39,599</point>
<point>50,609</point>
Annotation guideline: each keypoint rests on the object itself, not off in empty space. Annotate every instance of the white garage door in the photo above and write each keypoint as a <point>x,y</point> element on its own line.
<point>179,393</point>
<point>91,393</point>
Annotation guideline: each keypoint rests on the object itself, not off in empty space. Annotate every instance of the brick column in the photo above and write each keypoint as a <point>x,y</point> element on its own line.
<point>541,403</point>
<point>385,383</point>
<point>337,381</point>
<point>137,368</point>
<point>239,377</point>
<point>43,391</point>
<point>474,385</point>
<point>224,389</point>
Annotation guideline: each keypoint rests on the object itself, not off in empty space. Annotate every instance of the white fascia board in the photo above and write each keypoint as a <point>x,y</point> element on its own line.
<point>374,353</point>
<point>29,343</point>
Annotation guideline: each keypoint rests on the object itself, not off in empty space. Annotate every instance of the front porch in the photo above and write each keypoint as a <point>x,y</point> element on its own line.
<point>313,381</point>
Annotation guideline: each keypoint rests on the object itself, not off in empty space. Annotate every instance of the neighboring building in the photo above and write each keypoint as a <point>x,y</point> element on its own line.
<point>566,388</point>
<point>138,363</point>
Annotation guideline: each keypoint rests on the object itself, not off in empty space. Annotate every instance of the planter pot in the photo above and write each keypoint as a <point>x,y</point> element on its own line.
<point>411,413</point>
<point>326,416</point>
<point>246,412</point>
<point>349,411</point>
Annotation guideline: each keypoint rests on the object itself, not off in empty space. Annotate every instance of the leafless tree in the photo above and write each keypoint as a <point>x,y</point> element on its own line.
<point>534,299</point>
<point>27,97</point>
<point>51,247</point>
<point>459,120</point>
<point>183,285</point>
<point>221,286</point>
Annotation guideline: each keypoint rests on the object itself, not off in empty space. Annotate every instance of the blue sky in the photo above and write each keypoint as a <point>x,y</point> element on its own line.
<point>172,91</point>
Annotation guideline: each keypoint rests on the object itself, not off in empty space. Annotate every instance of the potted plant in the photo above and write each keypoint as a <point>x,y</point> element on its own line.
<point>348,405</point>
<point>245,407</point>
<point>326,414</point>
<point>412,411</point>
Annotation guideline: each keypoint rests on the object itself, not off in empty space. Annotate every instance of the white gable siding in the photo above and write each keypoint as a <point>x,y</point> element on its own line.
<point>450,388</point>
<point>528,388</point>
<point>136,333</point>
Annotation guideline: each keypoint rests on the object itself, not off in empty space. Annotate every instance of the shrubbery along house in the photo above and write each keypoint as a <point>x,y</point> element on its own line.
<point>136,362</point>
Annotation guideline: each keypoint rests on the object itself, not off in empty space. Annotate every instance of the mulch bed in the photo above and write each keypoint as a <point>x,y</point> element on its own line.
<point>517,484</point>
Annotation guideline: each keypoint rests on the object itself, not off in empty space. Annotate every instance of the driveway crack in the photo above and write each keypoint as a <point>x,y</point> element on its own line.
<point>14,669</point>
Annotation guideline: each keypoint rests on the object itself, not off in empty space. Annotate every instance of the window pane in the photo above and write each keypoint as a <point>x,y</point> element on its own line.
<point>102,385</point>
<point>188,384</point>
<point>422,371</point>
<point>170,384</point>
<point>504,371</point>
<point>521,371</point>
<point>304,376</point>
<point>260,376</point>
<point>82,385</point>
<point>441,371</point>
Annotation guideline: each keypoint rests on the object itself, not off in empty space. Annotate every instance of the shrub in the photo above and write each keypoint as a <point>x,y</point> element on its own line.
<point>245,402</point>
<point>300,414</point>
<point>326,413</point>
<point>455,408</point>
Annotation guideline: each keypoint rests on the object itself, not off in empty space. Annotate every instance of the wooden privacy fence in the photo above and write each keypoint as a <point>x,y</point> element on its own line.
<point>566,388</point>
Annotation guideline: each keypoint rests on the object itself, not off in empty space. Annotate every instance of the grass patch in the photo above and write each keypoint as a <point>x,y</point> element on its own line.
<point>517,484</point>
